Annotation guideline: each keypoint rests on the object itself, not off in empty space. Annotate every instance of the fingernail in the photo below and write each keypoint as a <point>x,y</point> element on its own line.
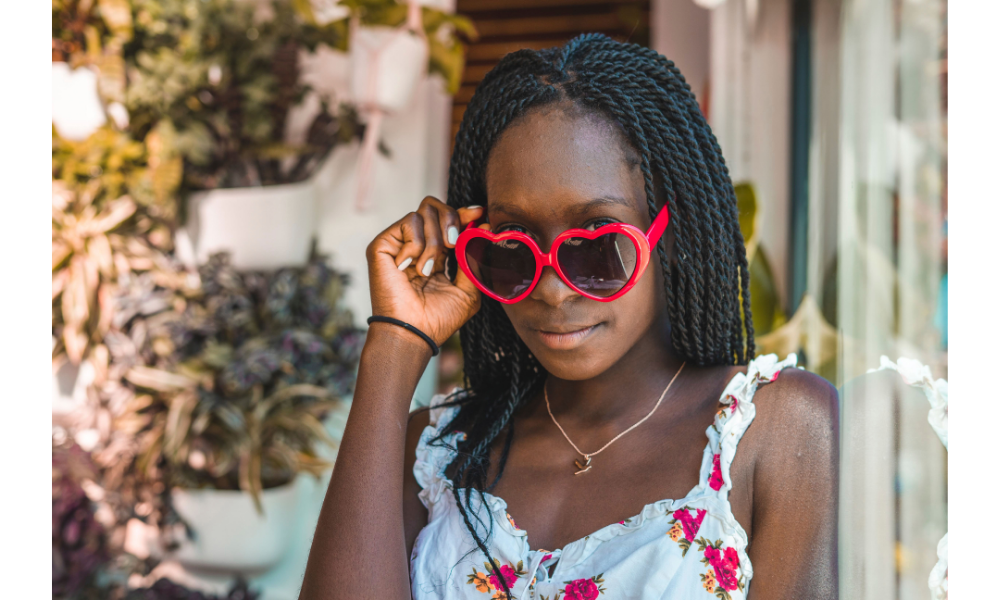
<point>402,266</point>
<point>428,268</point>
<point>452,235</point>
<point>473,206</point>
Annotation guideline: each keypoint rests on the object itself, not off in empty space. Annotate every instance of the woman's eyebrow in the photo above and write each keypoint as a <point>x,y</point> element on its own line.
<point>578,209</point>
<point>602,201</point>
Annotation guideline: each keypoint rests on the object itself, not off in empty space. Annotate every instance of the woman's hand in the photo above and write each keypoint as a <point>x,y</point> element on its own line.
<point>405,270</point>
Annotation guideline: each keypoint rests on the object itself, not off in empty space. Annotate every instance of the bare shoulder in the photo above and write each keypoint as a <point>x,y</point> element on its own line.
<point>794,473</point>
<point>796,403</point>
<point>795,432</point>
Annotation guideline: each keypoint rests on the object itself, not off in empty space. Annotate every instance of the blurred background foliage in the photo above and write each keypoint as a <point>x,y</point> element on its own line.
<point>226,386</point>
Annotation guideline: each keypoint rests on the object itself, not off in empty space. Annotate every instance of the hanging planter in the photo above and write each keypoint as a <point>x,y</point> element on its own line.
<point>260,227</point>
<point>387,64</point>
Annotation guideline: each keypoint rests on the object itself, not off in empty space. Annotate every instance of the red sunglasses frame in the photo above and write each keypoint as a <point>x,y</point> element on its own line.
<point>642,241</point>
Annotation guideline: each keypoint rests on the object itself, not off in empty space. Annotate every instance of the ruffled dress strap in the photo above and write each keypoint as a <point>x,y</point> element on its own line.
<point>733,419</point>
<point>730,423</point>
<point>432,459</point>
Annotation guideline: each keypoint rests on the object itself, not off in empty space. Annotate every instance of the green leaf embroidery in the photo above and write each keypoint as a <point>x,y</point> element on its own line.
<point>685,546</point>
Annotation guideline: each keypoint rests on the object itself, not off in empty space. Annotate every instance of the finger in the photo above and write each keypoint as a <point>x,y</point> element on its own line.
<point>432,257</point>
<point>450,222</point>
<point>468,214</point>
<point>465,284</point>
<point>402,242</point>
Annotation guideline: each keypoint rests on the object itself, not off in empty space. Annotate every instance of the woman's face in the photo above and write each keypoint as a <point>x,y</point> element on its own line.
<point>556,169</point>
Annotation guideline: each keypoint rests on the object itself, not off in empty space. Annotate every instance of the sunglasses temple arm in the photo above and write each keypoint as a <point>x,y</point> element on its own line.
<point>658,227</point>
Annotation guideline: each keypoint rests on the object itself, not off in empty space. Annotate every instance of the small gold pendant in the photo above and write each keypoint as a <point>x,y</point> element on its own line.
<point>583,468</point>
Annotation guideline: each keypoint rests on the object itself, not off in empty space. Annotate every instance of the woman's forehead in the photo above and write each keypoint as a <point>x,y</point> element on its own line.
<point>553,157</point>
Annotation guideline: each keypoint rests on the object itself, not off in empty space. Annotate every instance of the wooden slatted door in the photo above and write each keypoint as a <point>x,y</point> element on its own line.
<point>508,25</point>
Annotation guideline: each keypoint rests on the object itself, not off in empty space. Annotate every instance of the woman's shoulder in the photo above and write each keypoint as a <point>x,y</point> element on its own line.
<point>797,418</point>
<point>797,396</point>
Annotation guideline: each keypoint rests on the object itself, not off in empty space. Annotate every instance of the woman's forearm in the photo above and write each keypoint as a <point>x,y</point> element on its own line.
<point>359,549</point>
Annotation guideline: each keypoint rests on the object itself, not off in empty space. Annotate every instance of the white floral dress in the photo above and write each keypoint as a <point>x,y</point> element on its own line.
<point>687,548</point>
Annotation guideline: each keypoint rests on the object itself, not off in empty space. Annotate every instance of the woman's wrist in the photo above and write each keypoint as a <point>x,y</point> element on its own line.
<point>395,343</point>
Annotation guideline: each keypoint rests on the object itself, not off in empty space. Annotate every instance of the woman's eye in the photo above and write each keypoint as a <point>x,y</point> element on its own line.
<point>510,227</point>
<point>598,223</point>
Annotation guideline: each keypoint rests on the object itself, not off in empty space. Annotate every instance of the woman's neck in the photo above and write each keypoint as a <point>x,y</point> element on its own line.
<point>623,393</point>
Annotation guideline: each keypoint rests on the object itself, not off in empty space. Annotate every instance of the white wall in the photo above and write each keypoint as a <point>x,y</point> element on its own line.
<point>680,31</point>
<point>751,112</point>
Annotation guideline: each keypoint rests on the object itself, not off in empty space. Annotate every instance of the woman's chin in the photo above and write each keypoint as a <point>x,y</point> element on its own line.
<point>579,363</point>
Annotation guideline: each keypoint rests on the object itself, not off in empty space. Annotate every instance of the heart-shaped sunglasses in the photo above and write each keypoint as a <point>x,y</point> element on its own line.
<point>601,264</point>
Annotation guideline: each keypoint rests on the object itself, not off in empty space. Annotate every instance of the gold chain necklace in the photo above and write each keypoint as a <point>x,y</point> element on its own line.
<point>584,467</point>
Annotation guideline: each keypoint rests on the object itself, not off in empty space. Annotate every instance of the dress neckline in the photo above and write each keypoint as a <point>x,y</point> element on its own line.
<point>498,506</point>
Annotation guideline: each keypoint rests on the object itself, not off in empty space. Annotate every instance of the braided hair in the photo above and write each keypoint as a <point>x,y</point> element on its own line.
<point>707,283</point>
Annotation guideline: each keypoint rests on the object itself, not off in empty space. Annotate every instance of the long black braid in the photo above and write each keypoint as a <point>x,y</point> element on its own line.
<point>707,283</point>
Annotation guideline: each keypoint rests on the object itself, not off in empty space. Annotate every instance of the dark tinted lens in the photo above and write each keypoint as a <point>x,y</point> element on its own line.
<point>506,267</point>
<point>601,266</point>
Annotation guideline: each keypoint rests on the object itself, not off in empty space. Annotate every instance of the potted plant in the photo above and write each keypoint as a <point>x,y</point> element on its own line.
<point>392,46</point>
<point>210,89</point>
<point>111,216</point>
<point>218,82</point>
<point>225,392</point>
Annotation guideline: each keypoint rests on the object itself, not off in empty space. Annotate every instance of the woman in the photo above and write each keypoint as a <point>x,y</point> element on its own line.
<point>611,375</point>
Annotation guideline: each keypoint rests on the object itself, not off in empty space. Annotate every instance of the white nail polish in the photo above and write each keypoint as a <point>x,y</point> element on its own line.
<point>428,268</point>
<point>472,206</point>
<point>402,266</point>
<point>452,235</point>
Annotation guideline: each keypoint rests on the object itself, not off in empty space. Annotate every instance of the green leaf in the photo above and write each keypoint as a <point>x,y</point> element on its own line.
<point>178,423</point>
<point>249,475</point>
<point>305,11</point>
<point>117,16</point>
<point>447,60</point>
<point>157,379</point>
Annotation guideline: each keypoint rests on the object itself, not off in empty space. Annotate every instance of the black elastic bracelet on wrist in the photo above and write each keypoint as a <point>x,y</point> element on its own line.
<point>435,350</point>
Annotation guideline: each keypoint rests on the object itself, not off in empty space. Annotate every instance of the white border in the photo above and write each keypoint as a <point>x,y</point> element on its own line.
<point>25,347</point>
<point>974,212</point>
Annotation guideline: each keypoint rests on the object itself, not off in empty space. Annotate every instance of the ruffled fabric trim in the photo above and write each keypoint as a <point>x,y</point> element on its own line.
<point>433,459</point>
<point>731,422</point>
<point>736,415</point>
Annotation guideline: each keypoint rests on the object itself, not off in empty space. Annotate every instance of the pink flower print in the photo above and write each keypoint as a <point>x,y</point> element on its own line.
<point>725,566</point>
<point>736,402</point>
<point>715,480</point>
<point>547,557</point>
<point>509,577</point>
<point>581,589</point>
<point>690,524</point>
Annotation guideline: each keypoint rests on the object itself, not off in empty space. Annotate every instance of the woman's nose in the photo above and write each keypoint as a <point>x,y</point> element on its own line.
<point>551,289</point>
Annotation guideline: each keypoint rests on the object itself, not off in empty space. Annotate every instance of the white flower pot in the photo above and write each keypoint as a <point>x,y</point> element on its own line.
<point>77,110</point>
<point>261,227</point>
<point>387,63</point>
<point>69,385</point>
<point>231,535</point>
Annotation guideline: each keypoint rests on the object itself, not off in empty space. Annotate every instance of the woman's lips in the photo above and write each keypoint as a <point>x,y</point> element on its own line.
<point>565,340</point>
